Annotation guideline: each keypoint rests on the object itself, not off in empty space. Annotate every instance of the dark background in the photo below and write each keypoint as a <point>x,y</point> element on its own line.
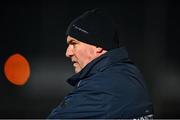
<point>36,29</point>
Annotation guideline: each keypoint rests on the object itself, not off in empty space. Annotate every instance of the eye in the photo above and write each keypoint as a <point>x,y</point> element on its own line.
<point>74,44</point>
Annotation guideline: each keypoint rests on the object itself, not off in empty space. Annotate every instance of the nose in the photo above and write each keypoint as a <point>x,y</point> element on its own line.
<point>69,51</point>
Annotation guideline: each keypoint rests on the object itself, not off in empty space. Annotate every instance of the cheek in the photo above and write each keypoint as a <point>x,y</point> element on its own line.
<point>83,57</point>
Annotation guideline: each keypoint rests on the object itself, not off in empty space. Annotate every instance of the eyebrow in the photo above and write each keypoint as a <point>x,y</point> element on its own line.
<point>71,41</point>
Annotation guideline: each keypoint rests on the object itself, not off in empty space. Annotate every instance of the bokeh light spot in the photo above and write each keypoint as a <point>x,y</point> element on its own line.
<point>17,69</point>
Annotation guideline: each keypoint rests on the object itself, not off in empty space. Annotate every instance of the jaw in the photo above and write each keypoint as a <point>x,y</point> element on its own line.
<point>77,70</point>
<point>77,67</point>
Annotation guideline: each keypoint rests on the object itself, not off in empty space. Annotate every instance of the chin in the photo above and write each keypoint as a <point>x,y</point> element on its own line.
<point>77,70</point>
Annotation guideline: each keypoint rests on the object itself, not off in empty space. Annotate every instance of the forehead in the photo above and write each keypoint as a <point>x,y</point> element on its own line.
<point>71,39</point>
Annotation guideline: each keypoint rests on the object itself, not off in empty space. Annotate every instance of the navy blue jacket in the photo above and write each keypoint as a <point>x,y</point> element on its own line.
<point>108,87</point>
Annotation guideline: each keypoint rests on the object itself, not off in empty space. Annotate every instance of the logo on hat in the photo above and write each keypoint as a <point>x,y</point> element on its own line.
<point>80,29</point>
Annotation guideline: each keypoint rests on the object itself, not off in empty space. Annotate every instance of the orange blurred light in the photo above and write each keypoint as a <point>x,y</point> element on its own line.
<point>17,69</point>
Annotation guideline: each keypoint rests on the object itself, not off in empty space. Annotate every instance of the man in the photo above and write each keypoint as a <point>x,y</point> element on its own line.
<point>107,84</point>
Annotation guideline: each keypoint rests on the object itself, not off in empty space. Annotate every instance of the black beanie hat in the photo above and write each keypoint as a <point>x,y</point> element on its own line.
<point>96,28</point>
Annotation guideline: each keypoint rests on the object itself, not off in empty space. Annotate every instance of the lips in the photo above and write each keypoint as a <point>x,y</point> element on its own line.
<point>74,62</point>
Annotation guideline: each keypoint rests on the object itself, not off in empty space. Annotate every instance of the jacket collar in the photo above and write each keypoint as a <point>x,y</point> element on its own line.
<point>111,57</point>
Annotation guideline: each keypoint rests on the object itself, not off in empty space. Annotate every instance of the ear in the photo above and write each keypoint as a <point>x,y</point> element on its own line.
<point>99,49</point>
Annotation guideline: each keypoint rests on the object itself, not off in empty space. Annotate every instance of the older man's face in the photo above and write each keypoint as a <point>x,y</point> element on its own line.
<point>80,53</point>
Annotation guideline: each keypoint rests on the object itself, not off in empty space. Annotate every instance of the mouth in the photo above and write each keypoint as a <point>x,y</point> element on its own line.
<point>73,62</point>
